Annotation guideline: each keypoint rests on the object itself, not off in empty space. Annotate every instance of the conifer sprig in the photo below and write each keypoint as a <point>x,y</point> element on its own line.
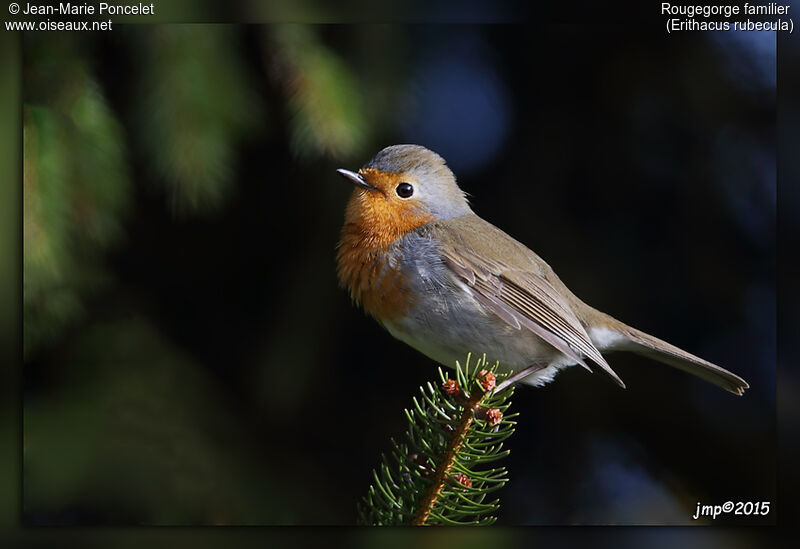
<point>443,471</point>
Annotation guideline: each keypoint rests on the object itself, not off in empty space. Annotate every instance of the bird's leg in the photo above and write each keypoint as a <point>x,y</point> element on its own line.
<point>518,376</point>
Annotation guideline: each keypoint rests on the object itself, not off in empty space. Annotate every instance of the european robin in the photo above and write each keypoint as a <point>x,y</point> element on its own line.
<point>443,280</point>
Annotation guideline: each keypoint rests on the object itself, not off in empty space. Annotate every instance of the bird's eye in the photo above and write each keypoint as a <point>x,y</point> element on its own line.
<point>404,190</point>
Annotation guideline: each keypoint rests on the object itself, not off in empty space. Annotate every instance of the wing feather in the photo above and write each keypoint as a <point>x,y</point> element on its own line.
<point>521,297</point>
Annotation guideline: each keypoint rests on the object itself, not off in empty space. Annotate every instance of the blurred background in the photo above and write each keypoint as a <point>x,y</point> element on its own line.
<point>189,358</point>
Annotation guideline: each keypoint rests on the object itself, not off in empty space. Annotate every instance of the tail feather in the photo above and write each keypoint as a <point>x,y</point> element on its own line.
<point>657,349</point>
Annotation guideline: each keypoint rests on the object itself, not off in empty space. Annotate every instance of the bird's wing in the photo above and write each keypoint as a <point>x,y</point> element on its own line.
<point>510,281</point>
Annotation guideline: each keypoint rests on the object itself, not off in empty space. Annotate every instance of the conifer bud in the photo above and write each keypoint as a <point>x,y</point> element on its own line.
<point>463,480</point>
<point>487,380</point>
<point>450,387</point>
<point>494,416</point>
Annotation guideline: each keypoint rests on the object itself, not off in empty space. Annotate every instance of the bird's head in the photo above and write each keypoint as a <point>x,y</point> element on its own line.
<point>400,189</point>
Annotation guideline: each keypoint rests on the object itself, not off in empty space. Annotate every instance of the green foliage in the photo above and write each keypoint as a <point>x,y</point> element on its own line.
<point>450,439</point>
<point>195,102</point>
<point>75,188</point>
<point>324,101</point>
<point>191,102</point>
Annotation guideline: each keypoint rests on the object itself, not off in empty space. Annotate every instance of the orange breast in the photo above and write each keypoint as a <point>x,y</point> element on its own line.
<point>368,264</point>
<point>374,281</point>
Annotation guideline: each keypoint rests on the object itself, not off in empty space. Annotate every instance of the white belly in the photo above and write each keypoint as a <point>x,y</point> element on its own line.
<point>447,332</point>
<point>447,322</point>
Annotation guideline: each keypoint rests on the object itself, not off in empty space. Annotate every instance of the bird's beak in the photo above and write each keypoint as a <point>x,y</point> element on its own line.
<point>356,178</point>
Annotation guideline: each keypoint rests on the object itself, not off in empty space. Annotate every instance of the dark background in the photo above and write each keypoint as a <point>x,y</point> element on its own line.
<point>190,359</point>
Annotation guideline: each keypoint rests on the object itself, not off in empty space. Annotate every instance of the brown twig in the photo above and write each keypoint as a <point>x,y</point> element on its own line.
<point>443,468</point>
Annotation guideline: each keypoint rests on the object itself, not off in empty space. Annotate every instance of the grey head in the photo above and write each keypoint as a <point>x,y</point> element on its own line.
<point>433,185</point>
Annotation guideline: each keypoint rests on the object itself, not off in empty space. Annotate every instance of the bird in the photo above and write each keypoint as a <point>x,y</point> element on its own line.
<point>441,279</point>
